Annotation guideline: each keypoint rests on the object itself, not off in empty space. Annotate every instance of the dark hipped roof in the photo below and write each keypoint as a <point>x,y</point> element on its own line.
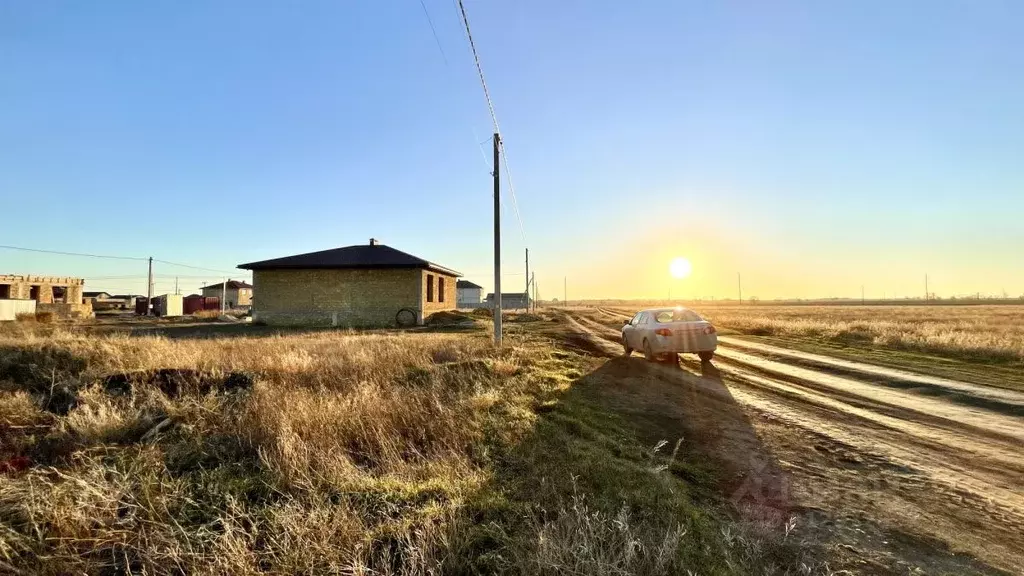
<point>365,256</point>
<point>467,284</point>
<point>232,284</point>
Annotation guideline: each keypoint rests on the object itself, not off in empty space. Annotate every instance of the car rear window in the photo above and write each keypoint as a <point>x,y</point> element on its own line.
<point>677,316</point>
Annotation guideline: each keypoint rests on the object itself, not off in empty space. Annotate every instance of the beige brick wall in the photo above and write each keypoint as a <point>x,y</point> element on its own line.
<point>21,288</point>
<point>449,293</point>
<point>336,297</point>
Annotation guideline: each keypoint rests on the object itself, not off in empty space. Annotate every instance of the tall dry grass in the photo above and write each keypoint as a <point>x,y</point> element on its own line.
<point>349,454</point>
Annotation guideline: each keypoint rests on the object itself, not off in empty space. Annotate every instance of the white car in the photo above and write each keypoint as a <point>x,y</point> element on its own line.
<point>664,332</point>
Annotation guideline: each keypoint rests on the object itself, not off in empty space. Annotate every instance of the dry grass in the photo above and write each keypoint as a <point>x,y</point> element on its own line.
<point>994,333</point>
<point>350,454</point>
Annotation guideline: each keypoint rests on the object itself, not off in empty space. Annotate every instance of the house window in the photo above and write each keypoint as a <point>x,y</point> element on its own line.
<point>440,288</point>
<point>430,287</point>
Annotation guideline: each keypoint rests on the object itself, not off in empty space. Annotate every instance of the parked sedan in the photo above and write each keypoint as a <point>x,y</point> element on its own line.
<point>661,332</point>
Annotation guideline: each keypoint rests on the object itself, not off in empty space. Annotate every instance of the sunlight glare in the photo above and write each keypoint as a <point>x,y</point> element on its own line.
<point>680,268</point>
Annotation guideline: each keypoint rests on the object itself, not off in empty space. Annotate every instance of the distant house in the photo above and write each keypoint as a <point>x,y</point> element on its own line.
<point>363,285</point>
<point>469,294</point>
<point>509,301</point>
<point>237,295</point>
<point>94,296</point>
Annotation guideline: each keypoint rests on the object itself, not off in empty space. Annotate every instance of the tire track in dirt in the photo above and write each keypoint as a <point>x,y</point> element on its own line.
<point>949,471</point>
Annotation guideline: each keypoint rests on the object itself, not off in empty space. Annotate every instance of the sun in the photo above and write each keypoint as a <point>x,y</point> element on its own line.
<point>680,267</point>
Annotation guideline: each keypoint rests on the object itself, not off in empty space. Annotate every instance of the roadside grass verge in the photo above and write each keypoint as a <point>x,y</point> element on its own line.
<point>338,453</point>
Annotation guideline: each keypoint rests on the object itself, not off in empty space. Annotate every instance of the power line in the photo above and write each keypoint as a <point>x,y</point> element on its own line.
<point>72,253</point>
<point>479,68</point>
<point>236,272</point>
<point>108,257</point>
<point>512,189</point>
<point>494,117</point>
<point>444,57</point>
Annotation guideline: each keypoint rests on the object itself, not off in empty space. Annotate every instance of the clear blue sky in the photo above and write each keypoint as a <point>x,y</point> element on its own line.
<point>815,146</point>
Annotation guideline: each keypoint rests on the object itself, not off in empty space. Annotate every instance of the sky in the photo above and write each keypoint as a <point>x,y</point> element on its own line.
<point>812,147</point>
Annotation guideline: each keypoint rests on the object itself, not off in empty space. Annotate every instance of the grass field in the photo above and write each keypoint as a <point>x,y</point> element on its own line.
<point>341,453</point>
<point>985,334</point>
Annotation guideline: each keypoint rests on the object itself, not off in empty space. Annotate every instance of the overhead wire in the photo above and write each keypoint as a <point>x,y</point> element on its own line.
<point>494,116</point>
<point>444,57</point>
<point>72,253</point>
<point>110,257</point>
<point>196,267</point>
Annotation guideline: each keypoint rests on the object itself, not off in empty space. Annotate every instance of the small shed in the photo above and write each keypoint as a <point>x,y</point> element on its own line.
<point>168,305</point>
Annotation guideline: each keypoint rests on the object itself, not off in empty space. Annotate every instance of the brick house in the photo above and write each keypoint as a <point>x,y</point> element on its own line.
<point>363,285</point>
<point>237,294</point>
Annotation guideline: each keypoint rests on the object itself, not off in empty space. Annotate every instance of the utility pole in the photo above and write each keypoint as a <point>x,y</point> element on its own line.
<point>223,295</point>
<point>565,290</point>
<point>528,279</point>
<point>533,281</point>
<point>176,285</point>
<point>739,287</point>
<point>862,294</point>
<point>497,241</point>
<point>926,295</point>
<point>149,289</point>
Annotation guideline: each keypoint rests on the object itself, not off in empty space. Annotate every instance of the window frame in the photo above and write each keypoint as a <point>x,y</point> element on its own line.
<point>430,287</point>
<point>440,289</point>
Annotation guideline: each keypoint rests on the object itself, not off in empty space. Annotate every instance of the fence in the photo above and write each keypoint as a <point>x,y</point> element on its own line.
<point>9,309</point>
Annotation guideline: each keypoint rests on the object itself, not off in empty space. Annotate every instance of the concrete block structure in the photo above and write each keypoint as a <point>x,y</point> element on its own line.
<point>510,301</point>
<point>354,286</point>
<point>57,294</point>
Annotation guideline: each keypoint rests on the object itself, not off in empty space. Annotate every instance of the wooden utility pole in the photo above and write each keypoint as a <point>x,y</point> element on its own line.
<point>565,290</point>
<point>223,296</point>
<point>862,294</point>
<point>149,289</point>
<point>497,241</point>
<point>739,287</point>
<point>926,295</point>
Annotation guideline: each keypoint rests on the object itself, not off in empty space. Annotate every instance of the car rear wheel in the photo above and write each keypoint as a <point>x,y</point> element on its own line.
<point>625,346</point>
<point>648,353</point>
<point>706,356</point>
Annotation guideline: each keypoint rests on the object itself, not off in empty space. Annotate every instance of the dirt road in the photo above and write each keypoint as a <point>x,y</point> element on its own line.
<point>890,470</point>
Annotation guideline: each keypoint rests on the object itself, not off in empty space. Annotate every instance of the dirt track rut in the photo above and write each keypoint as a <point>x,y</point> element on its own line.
<point>892,458</point>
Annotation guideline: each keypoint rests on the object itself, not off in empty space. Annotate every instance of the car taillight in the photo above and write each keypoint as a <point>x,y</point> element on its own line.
<point>663,332</point>
<point>709,329</point>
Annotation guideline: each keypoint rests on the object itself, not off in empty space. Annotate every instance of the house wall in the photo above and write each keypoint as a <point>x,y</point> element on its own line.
<point>244,297</point>
<point>450,298</point>
<point>337,297</point>
<point>469,296</point>
<point>40,289</point>
<point>235,296</point>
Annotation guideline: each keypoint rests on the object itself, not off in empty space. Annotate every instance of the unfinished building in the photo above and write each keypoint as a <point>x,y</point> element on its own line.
<point>59,295</point>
